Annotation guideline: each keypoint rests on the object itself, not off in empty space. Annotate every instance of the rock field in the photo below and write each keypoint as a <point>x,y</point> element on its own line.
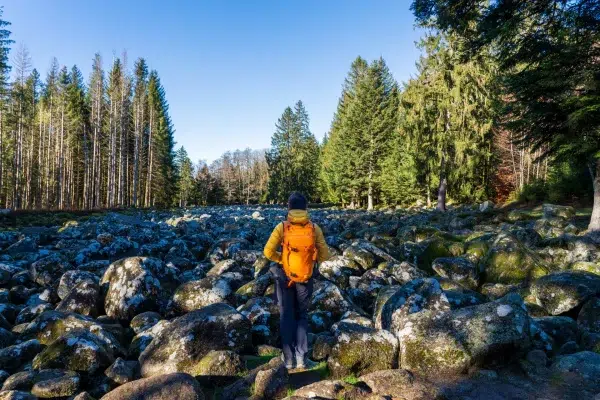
<point>474,303</point>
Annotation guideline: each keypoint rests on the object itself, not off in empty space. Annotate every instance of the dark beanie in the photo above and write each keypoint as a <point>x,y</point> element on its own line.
<point>297,201</point>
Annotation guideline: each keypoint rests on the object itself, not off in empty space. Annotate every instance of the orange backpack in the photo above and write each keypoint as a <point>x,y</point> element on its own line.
<point>299,251</point>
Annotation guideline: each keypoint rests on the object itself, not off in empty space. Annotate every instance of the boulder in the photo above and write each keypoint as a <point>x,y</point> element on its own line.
<point>589,316</point>
<point>326,390</point>
<point>162,387</point>
<point>191,337</point>
<point>193,295</point>
<point>270,383</point>
<point>84,299</point>
<point>137,284</point>
<point>13,357</point>
<point>393,307</point>
<point>360,256</point>
<point>62,385</point>
<point>460,270</point>
<point>78,350</point>
<point>562,291</point>
<point>328,297</point>
<point>508,261</point>
<point>584,365</point>
<point>47,270</point>
<point>121,372</point>
<point>552,210</point>
<point>450,343</point>
<point>143,321</point>
<point>219,367</point>
<point>70,279</point>
<point>402,384</point>
<point>263,314</point>
<point>405,272</point>
<point>359,350</point>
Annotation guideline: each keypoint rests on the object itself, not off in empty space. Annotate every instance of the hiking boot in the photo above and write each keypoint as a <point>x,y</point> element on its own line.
<point>302,363</point>
<point>288,364</point>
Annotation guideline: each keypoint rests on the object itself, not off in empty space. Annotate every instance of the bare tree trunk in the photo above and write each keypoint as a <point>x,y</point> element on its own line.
<point>594,225</point>
<point>441,200</point>
<point>150,160</point>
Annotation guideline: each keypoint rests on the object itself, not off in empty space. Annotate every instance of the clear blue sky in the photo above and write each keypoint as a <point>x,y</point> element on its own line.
<point>229,68</point>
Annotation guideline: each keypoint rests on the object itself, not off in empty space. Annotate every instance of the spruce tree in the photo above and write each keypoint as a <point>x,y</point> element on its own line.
<point>549,69</point>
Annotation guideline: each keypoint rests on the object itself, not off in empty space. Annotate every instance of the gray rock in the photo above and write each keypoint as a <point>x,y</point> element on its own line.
<point>585,365</point>
<point>70,279</point>
<point>161,387</point>
<point>359,350</point>
<point>84,299</point>
<point>193,295</point>
<point>78,350</point>
<point>399,383</point>
<point>13,357</point>
<point>459,270</point>
<point>330,390</point>
<point>145,320</point>
<point>135,285</point>
<point>190,337</point>
<point>563,291</point>
<point>589,316</point>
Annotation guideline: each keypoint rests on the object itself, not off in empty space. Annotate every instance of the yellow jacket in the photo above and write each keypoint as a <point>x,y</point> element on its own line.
<point>295,217</point>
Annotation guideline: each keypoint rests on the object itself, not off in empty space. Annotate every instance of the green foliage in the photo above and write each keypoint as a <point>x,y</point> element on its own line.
<point>567,182</point>
<point>185,179</point>
<point>293,159</point>
<point>362,131</point>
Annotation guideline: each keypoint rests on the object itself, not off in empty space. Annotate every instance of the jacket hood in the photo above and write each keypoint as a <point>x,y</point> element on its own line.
<point>298,216</point>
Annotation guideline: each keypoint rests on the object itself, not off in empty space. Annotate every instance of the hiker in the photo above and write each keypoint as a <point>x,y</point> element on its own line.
<point>303,245</point>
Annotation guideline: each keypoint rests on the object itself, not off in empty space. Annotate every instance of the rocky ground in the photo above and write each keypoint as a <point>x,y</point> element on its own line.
<point>475,303</point>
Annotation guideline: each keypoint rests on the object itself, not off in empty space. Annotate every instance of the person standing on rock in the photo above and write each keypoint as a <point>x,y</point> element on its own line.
<point>303,245</point>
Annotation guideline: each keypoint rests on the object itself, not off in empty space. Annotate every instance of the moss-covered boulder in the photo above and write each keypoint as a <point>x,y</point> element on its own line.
<point>458,269</point>
<point>360,256</point>
<point>137,284</point>
<point>142,339</point>
<point>254,288</point>
<point>553,210</point>
<point>404,272</point>
<point>64,384</point>
<point>509,261</point>
<point>424,253</point>
<point>47,270</point>
<point>219,367</point>
<point>78,350</point>
<point>358,350</point>
<point>190,337</point>
<point>451,343</point>
<point>586,266</point>
<point>563,291</point>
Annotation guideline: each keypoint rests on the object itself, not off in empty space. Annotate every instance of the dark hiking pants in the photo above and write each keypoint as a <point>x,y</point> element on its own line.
<point>293,305</point>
